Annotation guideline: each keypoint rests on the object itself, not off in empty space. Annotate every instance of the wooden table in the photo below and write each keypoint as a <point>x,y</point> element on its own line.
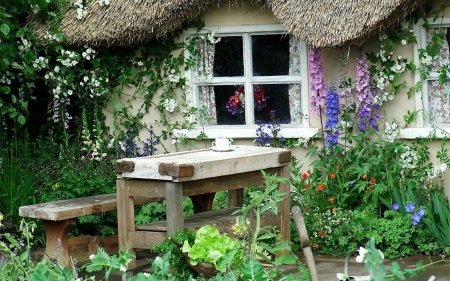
<point>197,174</point>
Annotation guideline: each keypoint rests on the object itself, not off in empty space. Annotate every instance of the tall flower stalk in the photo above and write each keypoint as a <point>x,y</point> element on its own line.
<point>332,115</point>
<point>317,82</point>
<point>365,94</point>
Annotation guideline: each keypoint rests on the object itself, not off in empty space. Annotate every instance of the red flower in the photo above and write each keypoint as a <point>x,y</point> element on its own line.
<point>332,175</point>
<point>315,246</point>
<point>321,234</point>
<point>305,185</point>
<point>321,187</point>
<point>304,176</point>
<point>331,199</point>
<point>372,180</point>
<point>364,177</point>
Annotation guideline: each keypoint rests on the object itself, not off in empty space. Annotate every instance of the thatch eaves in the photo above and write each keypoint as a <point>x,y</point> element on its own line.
<point>331,23</point>
<point>321,23</point>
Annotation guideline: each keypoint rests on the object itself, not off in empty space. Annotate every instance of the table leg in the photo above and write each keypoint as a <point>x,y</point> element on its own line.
<point>202,202</point>
<point>174,207</point>
<point>284,205</point>
<point>125,218</point>
<point>235,198</point>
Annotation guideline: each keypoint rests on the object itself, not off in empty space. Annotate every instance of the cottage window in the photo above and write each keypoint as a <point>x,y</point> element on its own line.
<point>433,98</point>
<point>252,74</point>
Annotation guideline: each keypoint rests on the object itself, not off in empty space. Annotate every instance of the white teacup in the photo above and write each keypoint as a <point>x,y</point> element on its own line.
<point>221,144</point>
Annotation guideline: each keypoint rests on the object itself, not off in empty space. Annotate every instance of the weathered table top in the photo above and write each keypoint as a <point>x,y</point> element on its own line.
<point>201,164</point>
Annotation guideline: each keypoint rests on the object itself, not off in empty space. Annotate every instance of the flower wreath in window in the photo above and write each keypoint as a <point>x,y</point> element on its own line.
<point>236,102</point>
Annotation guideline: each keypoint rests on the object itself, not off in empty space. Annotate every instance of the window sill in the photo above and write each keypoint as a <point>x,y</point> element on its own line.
<point>414,133</point>
<point>239,132</point>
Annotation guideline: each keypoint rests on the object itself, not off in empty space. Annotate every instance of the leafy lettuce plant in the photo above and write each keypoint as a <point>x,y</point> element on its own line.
<point>212,247</point>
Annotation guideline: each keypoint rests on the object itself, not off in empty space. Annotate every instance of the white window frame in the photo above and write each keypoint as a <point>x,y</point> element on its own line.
<point>424,128</point>
<point>249,131</point>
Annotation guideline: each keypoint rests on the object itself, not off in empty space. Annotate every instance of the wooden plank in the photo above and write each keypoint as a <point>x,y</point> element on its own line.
<point>145,240</point>
<point>304,242</point>
<point>222,219</point>
<point>125,219</point>
<point>81,247</point>
<point>146,188</point>
<point>124,167</point>
<point>173,170</point>
<point>284,205</point>
<point>229,182</point>
<point>208,163</point>
<point>174,207</point>
<point>235,198</point>
<point>74,208</point>
<point>284,157</point>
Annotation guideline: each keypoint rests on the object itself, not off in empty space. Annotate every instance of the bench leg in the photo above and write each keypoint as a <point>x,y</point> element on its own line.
<point>56,234</point>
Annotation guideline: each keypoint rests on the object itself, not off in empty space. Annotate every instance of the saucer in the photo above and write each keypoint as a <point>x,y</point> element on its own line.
<point>221,149</point>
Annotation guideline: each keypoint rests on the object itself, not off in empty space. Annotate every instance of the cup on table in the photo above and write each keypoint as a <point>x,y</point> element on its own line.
<point>221,143</point>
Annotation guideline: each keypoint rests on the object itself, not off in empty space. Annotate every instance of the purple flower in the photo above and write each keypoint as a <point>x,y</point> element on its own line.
<point>332,139</point>
<point>332,112</point>
<point>332,115</point>
<point>416,218</point>
<point>318,88</point>
<point>395,207</point>
<point>421,212</point>
<point>410,207</point>
<point>365,93</point>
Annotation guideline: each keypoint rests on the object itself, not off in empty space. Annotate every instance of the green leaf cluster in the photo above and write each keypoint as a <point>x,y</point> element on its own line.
<point>212,247</point>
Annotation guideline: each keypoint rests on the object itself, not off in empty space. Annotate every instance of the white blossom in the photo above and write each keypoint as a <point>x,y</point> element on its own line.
<point>170,105</point>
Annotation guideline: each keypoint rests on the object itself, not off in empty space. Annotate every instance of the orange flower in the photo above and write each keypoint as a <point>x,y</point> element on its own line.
<point>370,187</point>
<point>304,176</point>
<point>321,187</point>
<point>331,199</point>
<point>332,175</point>
<point>305,185</point>
<point>315,246</point>
<point>306,209</point>
<point>364,177</point>
<point>372,180</point>
<point>334,209</point>
<point>321,234</point>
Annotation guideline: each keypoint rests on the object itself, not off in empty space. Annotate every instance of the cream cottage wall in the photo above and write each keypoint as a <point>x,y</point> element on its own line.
<point>246,15</point>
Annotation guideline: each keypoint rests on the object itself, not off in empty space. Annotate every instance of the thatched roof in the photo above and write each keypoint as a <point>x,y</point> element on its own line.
<point>328,23</point>
<point>322,23</point>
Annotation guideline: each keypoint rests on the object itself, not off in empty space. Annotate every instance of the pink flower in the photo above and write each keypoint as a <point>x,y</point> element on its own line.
<point>318,87</point>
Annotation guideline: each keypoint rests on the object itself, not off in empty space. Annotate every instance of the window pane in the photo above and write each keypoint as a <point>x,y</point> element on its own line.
<point>229,57</point>
<point>230,104</point>
<point>439,101</point>
<point>270,55</point>
<point>272,102</point>
<point>441,59</point>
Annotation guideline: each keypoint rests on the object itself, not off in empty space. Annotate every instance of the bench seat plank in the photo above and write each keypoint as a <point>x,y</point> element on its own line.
<point>74,208</point>
<point>58,216</point>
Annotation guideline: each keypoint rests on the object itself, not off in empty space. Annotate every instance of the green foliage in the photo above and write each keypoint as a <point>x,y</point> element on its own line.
<point>438,219</point>
<point>212,247</point>
<point>180,268</point>
<point>339,233</point>
<point>16,262</point>
<point>17,184</point>
<point>61,173</point>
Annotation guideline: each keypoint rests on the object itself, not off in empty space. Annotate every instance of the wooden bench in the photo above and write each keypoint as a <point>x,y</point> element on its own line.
<point>58,217</point>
